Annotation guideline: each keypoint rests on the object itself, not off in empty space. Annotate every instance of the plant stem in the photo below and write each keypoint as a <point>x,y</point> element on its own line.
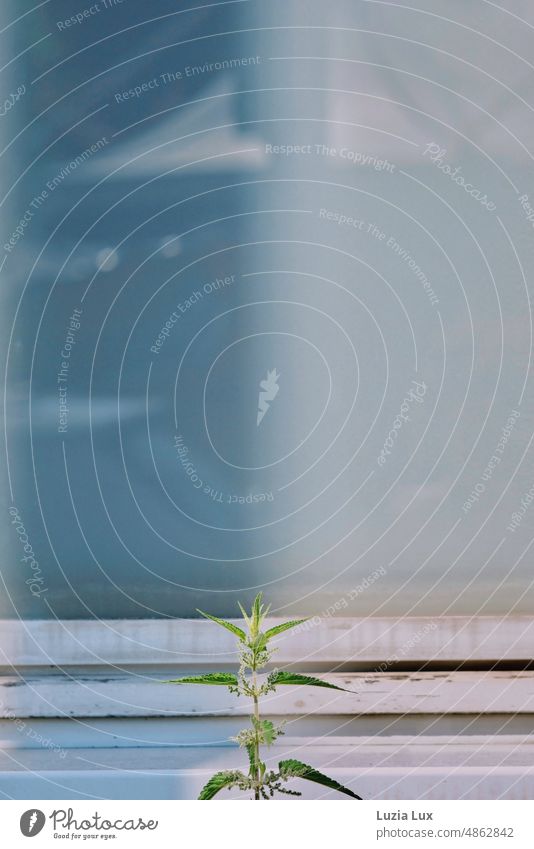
<point>256,736</point>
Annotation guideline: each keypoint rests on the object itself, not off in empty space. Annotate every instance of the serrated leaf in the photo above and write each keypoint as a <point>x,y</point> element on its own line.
<point>256,614</point>
<point>296,769</point>
<point>228,625</point>
<point>283,677</point>
<point>224,679</point>
<point>257,605</point>
<point>245,615</point>
<point>285,626</point>
<point>252,758</point>
<point>269,732</point>
<point>218,782</point>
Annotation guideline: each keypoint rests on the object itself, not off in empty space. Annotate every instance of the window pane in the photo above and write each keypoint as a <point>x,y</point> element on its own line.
<point>266,308</point>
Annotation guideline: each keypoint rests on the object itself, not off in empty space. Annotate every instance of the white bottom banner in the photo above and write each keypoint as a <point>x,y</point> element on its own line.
<point>312,824</point>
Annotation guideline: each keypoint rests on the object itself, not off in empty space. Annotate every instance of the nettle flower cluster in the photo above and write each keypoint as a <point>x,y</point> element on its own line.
<point>255,654</point>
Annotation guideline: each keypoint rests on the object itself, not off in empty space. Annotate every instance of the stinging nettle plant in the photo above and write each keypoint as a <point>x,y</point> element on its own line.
<point>254,655</point>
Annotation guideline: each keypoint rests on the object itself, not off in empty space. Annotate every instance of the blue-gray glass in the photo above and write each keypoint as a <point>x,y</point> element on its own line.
<point>266,275</point>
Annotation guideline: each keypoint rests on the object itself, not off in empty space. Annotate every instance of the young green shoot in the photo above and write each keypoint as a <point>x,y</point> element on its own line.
<point>260,783</point>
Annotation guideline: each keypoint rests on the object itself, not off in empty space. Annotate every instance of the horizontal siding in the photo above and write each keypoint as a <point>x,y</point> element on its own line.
<point>329,641</point>
<point>387,783</point>
<point>380,693</point>
<point>94,721</point>
<point>389,768</point>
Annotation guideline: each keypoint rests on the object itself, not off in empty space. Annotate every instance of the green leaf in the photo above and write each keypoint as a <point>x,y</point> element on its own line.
<point>285,626</point>
<point>218,782</point>
<point>266,730</point>
<point>252,758</point>
<point>228,625</point>
<point>244,615</point>
<point>269,732</point>
<point>225,679</point>
<point>256,615</point>
<point>296,769</point>
<point>282,677</point>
